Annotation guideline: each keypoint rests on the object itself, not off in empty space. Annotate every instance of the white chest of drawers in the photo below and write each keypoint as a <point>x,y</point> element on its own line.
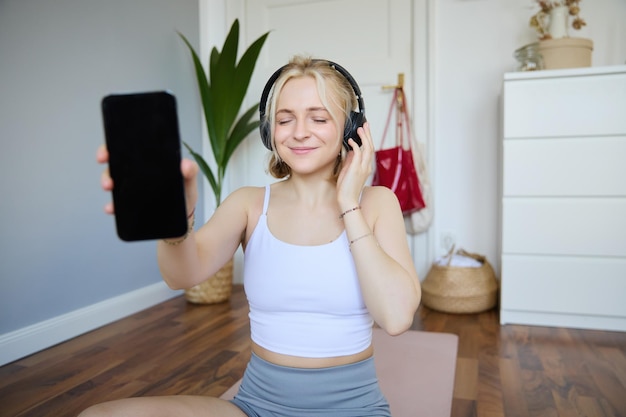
<point>563,198</point>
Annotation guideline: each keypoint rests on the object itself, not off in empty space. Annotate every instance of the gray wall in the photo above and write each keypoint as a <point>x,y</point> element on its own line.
<point>58,58</point>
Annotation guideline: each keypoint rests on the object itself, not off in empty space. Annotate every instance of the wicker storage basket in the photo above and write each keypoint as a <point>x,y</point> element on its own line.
<point>216,289</point>
<point>456,289</point>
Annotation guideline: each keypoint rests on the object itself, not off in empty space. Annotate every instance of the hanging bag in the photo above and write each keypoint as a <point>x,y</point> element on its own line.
<point>419,221</point>
<point>395,168</point>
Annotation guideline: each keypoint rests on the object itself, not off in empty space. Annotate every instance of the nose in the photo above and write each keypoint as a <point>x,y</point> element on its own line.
<point>301,130</point>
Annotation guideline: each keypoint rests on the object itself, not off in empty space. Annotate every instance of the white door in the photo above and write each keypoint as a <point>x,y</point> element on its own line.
<point>372,39</point>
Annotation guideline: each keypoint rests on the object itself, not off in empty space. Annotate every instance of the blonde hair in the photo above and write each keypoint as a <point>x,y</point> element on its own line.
<point>335,92</point>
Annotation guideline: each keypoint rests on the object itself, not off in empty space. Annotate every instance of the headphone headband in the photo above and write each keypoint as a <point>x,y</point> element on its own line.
<point>356,119</point>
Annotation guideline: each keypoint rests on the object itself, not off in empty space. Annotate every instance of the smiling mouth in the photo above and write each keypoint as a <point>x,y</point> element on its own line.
<point>302,150</point>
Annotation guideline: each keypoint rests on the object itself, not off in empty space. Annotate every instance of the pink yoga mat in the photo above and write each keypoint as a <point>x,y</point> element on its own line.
<point>416,372</point>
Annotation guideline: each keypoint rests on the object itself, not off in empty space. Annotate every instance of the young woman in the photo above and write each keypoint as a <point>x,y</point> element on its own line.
<point>325,257</point>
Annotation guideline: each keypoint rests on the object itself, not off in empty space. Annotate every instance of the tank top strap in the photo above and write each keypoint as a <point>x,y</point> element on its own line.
<point>266,199</point>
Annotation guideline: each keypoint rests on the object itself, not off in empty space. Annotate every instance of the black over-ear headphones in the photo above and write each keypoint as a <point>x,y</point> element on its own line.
<point>355,120</point>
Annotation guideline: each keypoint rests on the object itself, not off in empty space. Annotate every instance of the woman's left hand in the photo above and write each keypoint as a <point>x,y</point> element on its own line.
<point>356,169</point>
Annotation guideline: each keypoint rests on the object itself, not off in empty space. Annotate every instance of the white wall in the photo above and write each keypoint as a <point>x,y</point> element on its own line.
<point>474,41</point>
<point>59,253</point>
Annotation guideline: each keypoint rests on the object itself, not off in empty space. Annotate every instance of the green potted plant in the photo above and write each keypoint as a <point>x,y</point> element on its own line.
<point>222,94</point>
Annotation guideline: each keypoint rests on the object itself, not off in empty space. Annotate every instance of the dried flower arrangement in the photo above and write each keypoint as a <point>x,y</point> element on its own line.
<point>538,21</point>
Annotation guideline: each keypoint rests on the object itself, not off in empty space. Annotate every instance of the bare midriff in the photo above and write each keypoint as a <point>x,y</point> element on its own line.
<point>311,363</point>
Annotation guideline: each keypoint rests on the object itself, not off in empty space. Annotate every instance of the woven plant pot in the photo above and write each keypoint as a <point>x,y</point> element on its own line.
<point>453,289</point>
<point>215,290</point>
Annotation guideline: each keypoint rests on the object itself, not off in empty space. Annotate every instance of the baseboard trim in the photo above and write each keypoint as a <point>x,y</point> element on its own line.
<point>28,340</point>
<point>576,321</point>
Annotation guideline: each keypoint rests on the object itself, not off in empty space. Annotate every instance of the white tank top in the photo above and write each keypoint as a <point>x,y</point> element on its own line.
<point>304,300</point>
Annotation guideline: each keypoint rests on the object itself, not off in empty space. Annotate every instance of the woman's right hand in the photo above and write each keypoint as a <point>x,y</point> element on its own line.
<point>188,168</point>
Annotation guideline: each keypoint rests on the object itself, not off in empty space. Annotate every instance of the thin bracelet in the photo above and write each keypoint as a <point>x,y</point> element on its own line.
<point>359,238</point>
<point>186,235</point>
<point>348,211</point>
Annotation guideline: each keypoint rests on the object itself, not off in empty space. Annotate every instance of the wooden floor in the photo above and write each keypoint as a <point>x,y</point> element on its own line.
<point>175,348</point>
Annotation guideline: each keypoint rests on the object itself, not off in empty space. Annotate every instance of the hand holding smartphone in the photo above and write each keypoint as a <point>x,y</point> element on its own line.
<point>143,141</point>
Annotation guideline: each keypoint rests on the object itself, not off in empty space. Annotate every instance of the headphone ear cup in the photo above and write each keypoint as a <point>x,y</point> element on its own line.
<point>266,133</point>
<point>356,120</point>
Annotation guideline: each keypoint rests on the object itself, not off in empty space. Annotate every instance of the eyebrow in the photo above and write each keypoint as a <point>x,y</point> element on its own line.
<point>309,109</point>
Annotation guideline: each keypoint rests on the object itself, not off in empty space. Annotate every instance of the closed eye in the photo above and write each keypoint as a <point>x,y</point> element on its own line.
<point>318,115</point>
<point>284,120</point>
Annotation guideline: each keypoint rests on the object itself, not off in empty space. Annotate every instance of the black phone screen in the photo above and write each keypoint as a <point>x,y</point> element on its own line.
<point>142,137</point>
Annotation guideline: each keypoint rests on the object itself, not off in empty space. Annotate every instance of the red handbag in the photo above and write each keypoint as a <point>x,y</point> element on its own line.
<point>395,168</point>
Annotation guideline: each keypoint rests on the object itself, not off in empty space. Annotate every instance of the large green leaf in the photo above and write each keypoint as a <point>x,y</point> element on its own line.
<point>226,59</point>
<point>222,81</point>
<point>205,96</point>
<point>242,75</point>
<point>206,170</point>
<point>229,84</point>
<point>244,70</point>
<point>222,94</point>
<point>217,139</point>
<point>241,130</point>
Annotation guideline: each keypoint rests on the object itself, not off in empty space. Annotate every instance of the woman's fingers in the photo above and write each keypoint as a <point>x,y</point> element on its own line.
<point>108,208</point>
<point>361,156</point>
<point>367,147</point>
<point>106,181</point>
<point>366,136</point>
<point>190,171</point>
<point>102,154</point>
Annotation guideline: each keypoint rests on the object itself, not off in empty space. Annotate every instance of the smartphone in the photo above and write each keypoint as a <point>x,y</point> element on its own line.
<point>142,137</point>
